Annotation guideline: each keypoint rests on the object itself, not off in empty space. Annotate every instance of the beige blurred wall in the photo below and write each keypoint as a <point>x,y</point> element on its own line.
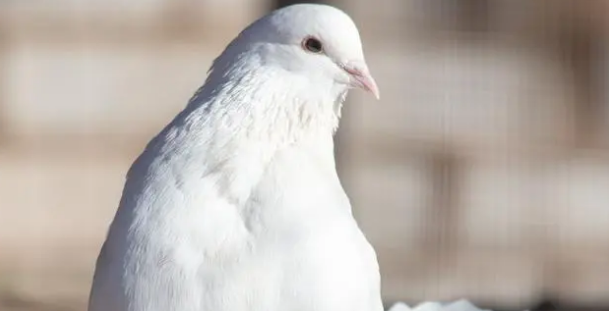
<point>477,175</point>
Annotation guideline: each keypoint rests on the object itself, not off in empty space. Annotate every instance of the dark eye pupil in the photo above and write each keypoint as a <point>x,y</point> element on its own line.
<point>313,45</point>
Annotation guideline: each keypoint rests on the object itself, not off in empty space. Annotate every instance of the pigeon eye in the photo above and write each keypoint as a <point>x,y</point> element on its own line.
<point>312,45</point>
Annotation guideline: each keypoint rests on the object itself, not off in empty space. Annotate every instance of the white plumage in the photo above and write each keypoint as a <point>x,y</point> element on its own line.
<point>236,204</point>
<point>459,305</point>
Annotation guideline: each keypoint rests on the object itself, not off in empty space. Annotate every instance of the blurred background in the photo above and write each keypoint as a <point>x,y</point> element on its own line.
<point>483,173</point>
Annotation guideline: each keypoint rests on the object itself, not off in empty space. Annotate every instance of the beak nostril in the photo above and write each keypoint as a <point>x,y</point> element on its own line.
<point>353,71</point>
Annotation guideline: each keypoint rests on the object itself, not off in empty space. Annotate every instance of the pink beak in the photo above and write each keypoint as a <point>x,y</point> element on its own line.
<point>363,79</point>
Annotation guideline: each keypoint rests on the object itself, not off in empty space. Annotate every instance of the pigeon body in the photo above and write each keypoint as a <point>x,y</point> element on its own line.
<point>236,204</point>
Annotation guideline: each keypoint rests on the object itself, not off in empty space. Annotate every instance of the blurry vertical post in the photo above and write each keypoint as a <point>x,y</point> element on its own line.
<point>582,41</point>
<point>442,236</point>
<point>3,95</point>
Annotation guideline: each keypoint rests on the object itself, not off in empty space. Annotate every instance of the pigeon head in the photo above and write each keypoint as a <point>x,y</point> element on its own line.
<point>304,57</point>
<point>316,41</point>
<point>313,42</point>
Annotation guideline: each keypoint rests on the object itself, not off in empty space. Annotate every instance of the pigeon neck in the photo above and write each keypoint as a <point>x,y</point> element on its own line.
<point>270,105</point>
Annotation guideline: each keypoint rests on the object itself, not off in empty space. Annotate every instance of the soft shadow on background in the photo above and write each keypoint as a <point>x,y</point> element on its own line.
<point>483,173</point>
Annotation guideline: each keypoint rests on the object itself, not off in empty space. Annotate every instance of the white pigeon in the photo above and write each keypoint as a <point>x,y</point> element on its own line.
<point>236,204</point>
